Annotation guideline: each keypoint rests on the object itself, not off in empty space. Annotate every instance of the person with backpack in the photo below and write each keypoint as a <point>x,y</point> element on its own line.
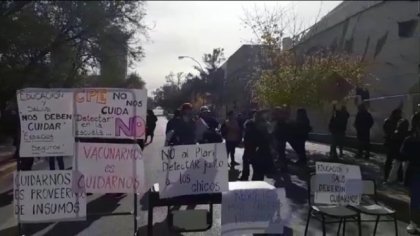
<point>231,132</point>
<point>389,128</point>
<point>411,150</point>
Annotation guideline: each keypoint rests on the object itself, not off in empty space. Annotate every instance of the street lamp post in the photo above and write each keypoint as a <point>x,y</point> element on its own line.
<point>182,57</point>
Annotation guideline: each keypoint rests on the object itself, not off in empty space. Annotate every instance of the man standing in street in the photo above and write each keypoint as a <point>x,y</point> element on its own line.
<point>183,131</point>
<point>249,145</point>
<point>337,127</point>
<point>232,133</point>
<point>363,124</point>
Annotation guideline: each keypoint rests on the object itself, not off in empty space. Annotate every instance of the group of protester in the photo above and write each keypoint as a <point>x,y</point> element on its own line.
<point>338,126</point>
<point>403,158</point>
<point>262,133</point>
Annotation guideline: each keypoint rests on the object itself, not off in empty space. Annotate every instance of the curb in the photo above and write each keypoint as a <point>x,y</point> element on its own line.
<point>350,142</point>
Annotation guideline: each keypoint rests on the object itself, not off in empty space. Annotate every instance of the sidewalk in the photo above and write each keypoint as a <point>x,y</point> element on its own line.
<point>395,196</point>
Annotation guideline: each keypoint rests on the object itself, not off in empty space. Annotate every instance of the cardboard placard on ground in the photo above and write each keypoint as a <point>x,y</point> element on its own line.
<point>109,168</point>
<point>46,122</point>
<point>110,113</point>
<point>337,184</point>
<point>47,196</point>
<point>193,169</point>
<point>254,211</point>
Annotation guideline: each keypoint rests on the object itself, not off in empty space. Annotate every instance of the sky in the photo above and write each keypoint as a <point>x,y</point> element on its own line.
<point>193,28</point>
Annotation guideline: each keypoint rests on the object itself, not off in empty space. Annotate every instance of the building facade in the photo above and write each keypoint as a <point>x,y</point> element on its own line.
<point>386,35</point>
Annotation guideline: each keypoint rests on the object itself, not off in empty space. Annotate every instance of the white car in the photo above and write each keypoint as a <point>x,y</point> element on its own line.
<point>158,111</point>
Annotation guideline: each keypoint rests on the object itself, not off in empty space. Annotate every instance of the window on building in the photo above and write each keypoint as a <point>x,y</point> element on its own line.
<point>406,29</point>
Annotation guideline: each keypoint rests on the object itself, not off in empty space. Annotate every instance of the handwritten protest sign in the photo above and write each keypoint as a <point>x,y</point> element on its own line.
<point>46,122</point>
<point>254,211</point>
<point>193,169</point>
<point>109,168</point>
<point>110,113</point>
<point>42,196</point>
<point>337,184</point>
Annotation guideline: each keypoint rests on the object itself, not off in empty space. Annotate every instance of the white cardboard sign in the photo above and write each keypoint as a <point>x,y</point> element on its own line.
<point>46,122</point>
<point>193,169</point>
<point>109,168</point>
<point>47,196</point>
<point>110,113</point>
<point>254,211</point>
<point>337,184</point>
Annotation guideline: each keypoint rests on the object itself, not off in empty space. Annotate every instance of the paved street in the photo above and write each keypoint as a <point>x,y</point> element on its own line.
<point>123,225</point>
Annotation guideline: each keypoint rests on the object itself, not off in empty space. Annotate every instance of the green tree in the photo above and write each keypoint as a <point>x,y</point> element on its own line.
<point>57,44</point>
<point>284,77</point>
<point>196,89</point>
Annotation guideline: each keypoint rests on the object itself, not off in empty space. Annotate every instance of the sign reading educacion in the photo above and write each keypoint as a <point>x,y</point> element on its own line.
<point>337,184</point>
<point>193,169</point>
<point>109,168</point>
<point>46,122</point>
<point>110,113</point>
<point>41,196</point>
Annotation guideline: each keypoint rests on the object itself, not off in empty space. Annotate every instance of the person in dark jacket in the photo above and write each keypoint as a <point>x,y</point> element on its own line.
<point>281,134</point>
<point>171,123</point>
<point>262,158</point>
<point>151,120</point>
<point>389,128</point>
<point>207,127</point>
<point>395,143</point>
<point>249,134</point>
<point>363,124</point>
<point>338,127</point>
<point>11,124</point>
<point>183,132</point>
<point>233,136</point>
<point>299,135</point>
<point>411,149</point>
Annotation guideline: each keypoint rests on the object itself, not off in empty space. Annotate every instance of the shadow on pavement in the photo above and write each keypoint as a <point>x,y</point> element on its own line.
<point>27,229</point>
<point>160,228</point>
<point>6,198</point>
<point>105,203</point>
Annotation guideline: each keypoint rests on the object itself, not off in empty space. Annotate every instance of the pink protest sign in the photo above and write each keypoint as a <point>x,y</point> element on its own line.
<point>110,113</point>
<point>109,168</point>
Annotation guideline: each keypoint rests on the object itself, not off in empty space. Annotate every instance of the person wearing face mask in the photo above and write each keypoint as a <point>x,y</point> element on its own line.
<point>183,131</point>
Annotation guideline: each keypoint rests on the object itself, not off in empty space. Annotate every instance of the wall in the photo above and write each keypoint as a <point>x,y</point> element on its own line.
<point>373,33</point>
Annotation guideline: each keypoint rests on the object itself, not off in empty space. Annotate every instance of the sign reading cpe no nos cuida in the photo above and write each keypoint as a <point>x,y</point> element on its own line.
<point>110,113</point>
